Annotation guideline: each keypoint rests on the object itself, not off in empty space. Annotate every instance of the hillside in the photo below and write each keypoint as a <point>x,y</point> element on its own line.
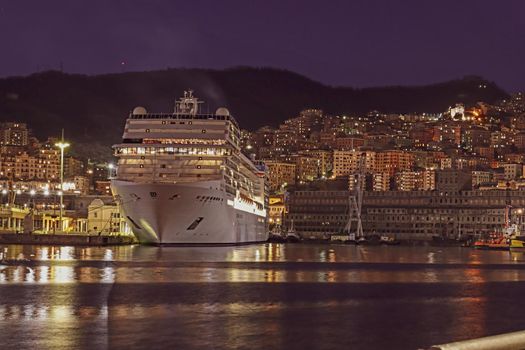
<point>93,108</point>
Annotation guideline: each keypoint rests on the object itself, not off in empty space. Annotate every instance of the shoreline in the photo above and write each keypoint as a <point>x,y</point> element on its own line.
<point>65,239</point>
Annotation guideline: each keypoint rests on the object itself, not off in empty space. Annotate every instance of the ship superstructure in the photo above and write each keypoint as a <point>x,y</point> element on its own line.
<point>182,178</point>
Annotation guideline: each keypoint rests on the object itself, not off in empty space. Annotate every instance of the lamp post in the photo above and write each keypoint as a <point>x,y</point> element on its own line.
<point>110,170</point>
<point>62,145</point>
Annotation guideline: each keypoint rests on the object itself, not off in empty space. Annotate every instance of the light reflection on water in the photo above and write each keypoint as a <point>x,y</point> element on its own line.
<point>70,274</point>
<point>262,253</point>
<point>260,296</point>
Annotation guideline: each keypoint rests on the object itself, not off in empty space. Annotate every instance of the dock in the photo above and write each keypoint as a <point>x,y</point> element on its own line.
<point>70,239</point>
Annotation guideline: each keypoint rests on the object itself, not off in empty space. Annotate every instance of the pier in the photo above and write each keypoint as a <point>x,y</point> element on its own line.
<point>74,239</point>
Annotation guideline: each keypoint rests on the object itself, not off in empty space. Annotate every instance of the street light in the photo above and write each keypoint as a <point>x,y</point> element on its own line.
<point>110,170</point>
<point>62,145</point>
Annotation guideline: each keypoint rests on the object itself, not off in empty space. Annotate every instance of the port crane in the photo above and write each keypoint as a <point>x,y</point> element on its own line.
<point>355,201</point>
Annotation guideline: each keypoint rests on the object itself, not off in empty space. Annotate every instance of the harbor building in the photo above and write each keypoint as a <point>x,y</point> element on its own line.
<point>407,214</point>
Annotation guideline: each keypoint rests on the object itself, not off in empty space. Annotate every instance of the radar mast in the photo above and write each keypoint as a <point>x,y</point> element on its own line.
<point>188,104</point>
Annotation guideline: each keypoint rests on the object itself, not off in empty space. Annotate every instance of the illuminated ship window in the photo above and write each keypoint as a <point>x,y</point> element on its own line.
<point>203,131</point>
<point>141,166</point>
<point>147,130</point>
<point>153,194</point>
<point>190,122</point>
<point>163,122</point>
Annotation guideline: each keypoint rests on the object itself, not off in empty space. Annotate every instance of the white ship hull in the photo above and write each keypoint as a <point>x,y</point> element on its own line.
<point>189,213</point>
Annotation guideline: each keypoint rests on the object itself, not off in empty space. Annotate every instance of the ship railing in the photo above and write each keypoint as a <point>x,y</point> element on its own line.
<point>507,341</point>
<point>183,116</point>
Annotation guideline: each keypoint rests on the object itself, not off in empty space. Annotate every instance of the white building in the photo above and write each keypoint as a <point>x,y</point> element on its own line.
<point>105,219</point>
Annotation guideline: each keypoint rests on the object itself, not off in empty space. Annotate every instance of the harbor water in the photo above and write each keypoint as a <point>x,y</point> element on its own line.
<point>267,296</point>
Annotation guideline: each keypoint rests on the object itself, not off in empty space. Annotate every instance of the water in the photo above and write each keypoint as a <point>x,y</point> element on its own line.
<point>267,296</point>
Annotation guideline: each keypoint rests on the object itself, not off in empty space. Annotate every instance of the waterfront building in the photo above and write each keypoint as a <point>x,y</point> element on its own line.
<point>105,218</point>
<point>407,215</point>
<point>12,218</point>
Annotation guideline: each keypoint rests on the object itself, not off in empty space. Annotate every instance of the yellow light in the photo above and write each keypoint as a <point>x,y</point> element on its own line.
<point>62,145</point>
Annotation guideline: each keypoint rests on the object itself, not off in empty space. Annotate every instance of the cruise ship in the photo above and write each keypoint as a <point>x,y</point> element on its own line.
<point>182,178</point>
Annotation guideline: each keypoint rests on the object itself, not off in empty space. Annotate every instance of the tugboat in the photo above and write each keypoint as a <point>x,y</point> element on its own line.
<point>509,238</point>
<point>291,235</point>
<point>276,236</point>
<point>389,240</point>
<point>517,245</point>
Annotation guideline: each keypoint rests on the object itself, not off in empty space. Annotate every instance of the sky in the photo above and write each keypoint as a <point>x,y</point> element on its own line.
<point>357,43</point>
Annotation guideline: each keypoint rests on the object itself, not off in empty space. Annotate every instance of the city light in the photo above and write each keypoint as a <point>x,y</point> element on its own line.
<point>62,145</point>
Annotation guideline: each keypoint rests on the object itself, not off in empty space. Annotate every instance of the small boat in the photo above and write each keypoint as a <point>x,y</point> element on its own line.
<point>276,236</point>
<point>517,245</point>
<point>362,240</point>
<point>389,240</point>
<point>291,235</point>
<point>500,244</point>
<point>343,237</point>
<point>481,244</point>
<point>496,241</point>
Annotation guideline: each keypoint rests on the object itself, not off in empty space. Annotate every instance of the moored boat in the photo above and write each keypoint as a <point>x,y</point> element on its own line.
<point>182,178</point>
<point>389,240</point>
<point>517,245</point>
<point>291,235</point>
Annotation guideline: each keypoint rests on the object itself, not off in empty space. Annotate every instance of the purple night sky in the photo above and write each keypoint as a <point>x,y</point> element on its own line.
<point>358,43</point>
